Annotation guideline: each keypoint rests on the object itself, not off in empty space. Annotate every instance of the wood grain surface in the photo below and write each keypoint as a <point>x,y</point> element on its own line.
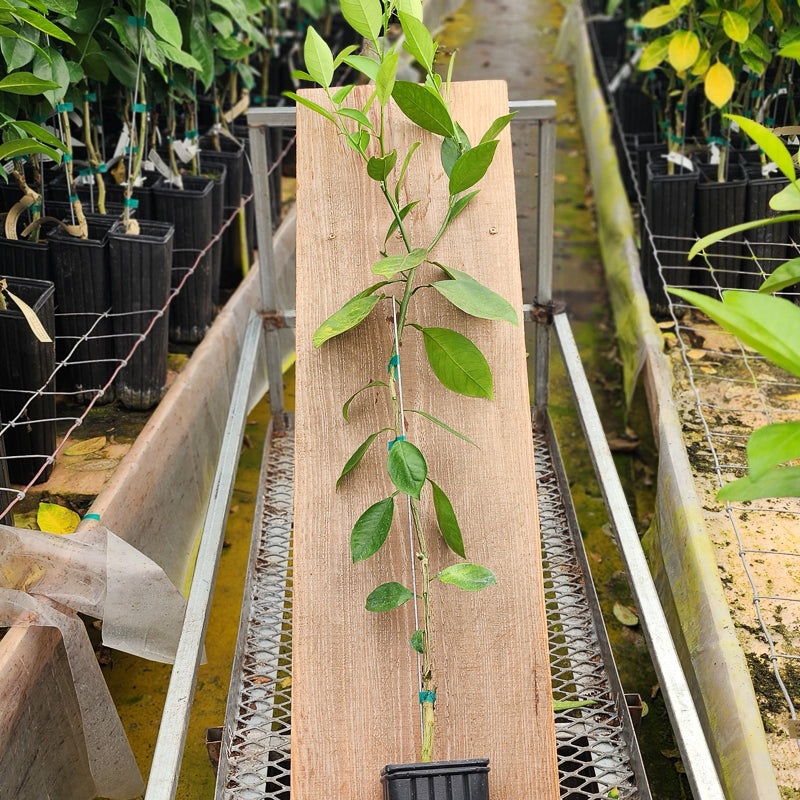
<point>355,704</point>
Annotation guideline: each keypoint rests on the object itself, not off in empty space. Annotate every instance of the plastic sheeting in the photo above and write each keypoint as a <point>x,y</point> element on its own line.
<point>681,555</point>
<point>46,580</point>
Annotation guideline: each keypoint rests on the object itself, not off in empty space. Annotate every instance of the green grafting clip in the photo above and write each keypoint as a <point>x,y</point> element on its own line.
<point>84,172</point>
<point>73,198</point>
<point>748,113</point>
<point>139,108</point>
<point>716,140</point>
<point>756,93</point>
<point>769,122</point>
<point>61,107</point>
<point>170,140</point>
<point>257,99</point>
<point>137,22</point>
<point>725,58</point>
<point>90,97</point>
<point>651,74</point>
<point>35,208</point>
<point>39,118</point>
<point>398,439</point>
<point>215,109</point>
<point>676,139</point>
<point>102,167</point>
<point>92,516</point>
<point>67,158</point>
<point>98,123</point>
<point>394,361</point>
<point>131,202</point>
<point>129,150</point>
<point>191,134</point>
<point>427,697</point>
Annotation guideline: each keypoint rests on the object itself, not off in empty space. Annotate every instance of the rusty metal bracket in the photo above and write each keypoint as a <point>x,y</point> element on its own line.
<point>277,320</point>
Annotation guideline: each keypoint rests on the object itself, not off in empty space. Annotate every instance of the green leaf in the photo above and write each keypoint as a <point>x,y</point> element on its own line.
<point>180,57</point>
<point>446,519</point>
<point>17,51</point>
<point>346,406</point>
<point>364,17</point>
<point>304,101</point>
<point>755,44</point>
<point>423,108</point>
<point>449,154</point>
<point>565,705</point>
<point>222,23</point>
<point>477,300</point>
<point>625,615</point>
<point>53,68</point>
<point>785,275</point>
<point>772,146</point>
<point>406,162</point>
<point>407,468</point>
<point>471,166</point>
<point>165,23</point>
<point>200,47</point>
<point>787,199</point>
<point>38,132</point>
<point>403,213</point>
<point>391,265</point>
<point>318,58</point>
<point>359,116</point>
<point>654,53</point>
<point>768,324</point>
<point>780,482</point>
<point>358,140</point>
<point>371,529</point>
<point>368,66</point>
<point>379,168</point>
<point>441,424</point>
<point>388,596</point>
<point>418,40</point>
<point>461,204</point>
<point>736,26</point>
<point>772,445</point>
<point>359,454</point>
<point>458,363</point>
<point>470,577</point>
<point>384,81</point>
<point>351,314</point>
<point>341,56</point>
<point>24,147</point>
<point>340,94</point>
<point>416,641</point>
<point>26,83</point>
<point>41,23</point>
<point>496,128</point>
<point>121,65</point>
<point>716,236</point>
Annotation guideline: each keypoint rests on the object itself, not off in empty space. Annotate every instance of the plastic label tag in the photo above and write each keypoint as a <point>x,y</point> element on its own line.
<point>623,73</point>
<point>159,165</point>
<point>680,159</point>
<point>76,119</point>
<point>768,169</point>
<point>713,154</point>
<point>122,144</point>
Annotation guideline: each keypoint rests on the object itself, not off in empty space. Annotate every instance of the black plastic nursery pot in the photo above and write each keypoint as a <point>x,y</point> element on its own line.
<point>769,243</point>
<point>82,281</point>
<point>141,270</point>
<point>437,780</point>
<point>720,205</point>
<point>190,210</point>
<point>669,208</point>
<point>6,496</point>
<point>218,172</point>
<point>26,365</point>
<point>23,258</point>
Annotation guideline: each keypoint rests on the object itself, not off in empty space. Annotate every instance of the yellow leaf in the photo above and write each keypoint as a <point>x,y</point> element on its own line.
<point>658,16</point>
<point>53,518</point>
<point>654,53</point>
<point>625,614</point>
<point>86,447</point>
<point>684,48</point>
<point>718,84</point>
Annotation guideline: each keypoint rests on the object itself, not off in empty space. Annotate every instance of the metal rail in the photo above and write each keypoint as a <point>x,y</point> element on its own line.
<point>700,768</point>
<point>165,769</point>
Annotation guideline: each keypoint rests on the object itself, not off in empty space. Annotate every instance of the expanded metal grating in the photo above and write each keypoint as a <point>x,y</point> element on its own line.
<point>596,754</point>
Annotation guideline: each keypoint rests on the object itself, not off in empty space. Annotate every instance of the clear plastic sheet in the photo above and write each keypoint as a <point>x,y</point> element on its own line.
<point>47,579</point>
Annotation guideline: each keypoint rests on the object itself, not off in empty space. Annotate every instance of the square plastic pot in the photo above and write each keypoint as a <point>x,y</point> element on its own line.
<point>437,780</point>
<point>141,271</point>
<point>27,396</point>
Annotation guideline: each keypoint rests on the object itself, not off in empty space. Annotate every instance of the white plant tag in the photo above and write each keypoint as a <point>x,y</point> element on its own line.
<point>122,143</point>
<point>768,169</point>
<point>159,165</point>
<point>713,154</point>
<point>623,72</point>
<point>84,180</point>
<point>76,119</point>
<point>680,159</point>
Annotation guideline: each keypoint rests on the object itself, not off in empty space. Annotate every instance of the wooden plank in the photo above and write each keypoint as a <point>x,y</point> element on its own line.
<point>355,705</point>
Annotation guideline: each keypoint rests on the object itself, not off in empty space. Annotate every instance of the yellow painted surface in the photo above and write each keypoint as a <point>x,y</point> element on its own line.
<point>139,687</point>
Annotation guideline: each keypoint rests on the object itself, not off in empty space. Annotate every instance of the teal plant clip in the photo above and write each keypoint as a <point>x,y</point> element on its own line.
<point>398,439</point>
<point>427,697</point>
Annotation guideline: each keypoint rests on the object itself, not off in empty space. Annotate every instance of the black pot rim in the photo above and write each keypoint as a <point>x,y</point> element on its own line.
<point>193,185</point>
<point>149,231</point>
<point>45,288</point>
<point>463,766</point>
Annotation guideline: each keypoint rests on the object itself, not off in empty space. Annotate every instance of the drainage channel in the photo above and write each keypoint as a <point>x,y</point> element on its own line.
<point>597,750</point>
